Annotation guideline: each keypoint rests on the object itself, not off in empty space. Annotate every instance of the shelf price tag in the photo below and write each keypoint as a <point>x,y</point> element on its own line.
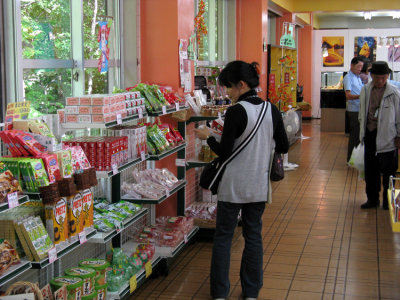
<point>52,255</point>
<point>140,112</point>
<point>114,169</point>
<point>148,269</point>
<point>164,110</point>
<point>118,227</point>
<point>219,115</point>
<point>82,237</point>
<point>180,162</point>
<point>132,284</point>
<point>12,200</point>
<point>119,119</point>
<point>177,106</point>
<point>167,194</point>
<point>143,156</point>
<point>185,238</point>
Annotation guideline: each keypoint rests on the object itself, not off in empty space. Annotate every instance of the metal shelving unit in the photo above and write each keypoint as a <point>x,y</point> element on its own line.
<point>15,271</point>
<point>21,199</point>
<point>168,110</point>
<point>102,125</point>
<point>108,174</point>
<point>105,237</point>
<point>167,153</point>
<point>67,248</point>
<point>181,184</point>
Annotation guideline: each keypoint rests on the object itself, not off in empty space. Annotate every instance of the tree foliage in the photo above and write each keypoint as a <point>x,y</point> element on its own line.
<point>46,34</point>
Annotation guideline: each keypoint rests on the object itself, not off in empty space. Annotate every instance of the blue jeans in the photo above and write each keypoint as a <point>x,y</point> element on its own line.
<point>251,269</point>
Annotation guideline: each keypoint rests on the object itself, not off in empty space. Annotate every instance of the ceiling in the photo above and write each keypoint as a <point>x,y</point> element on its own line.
<point>355,19</point>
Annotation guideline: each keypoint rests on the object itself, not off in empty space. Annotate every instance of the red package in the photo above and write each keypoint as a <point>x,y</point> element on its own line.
<point>27,142</point>
<point>177,134</point>
<point>10,145</point>
<point>100,161</point>
<point>12,137</point>
<point>52,168</point>
<point>165,128</point>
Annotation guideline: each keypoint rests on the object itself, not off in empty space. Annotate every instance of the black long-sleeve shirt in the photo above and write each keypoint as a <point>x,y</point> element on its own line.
<point>236,122</point>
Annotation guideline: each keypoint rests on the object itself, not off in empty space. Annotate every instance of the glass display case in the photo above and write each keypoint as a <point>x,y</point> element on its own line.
<point>332,80</point>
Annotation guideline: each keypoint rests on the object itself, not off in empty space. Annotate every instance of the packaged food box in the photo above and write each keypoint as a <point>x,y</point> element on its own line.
<point>100,100</point>
<point>65,162</point>
<point>84,119</point>
<point>85,100</point>
<point>71,118</point>
<point>100,265</point>
<point>85,110</point>
<point>75,216</point>
<point>57,221</point>
<point>51,164</point>
<point>87,198</point>
<point>72,110</point>
<point>72,101</point>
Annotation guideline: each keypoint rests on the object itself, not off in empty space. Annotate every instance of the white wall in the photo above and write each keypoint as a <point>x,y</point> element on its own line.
<point>349,35</point>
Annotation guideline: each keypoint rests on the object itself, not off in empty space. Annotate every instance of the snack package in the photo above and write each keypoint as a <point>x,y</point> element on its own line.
<point>87,210</point>
<point>28,142</point>
<point>12,137</point>
<point>74,212</point>
<point>10,145</point>
<point>165,128</point>
<point>57,221</point>
<point>51,163</point>
<point>8,183</point>
<point>8,256</point>
<point>79,159</point>
<point>38,171</point>
<point>65,162</point>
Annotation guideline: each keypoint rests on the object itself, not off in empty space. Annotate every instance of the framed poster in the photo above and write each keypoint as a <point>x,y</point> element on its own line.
<point>365,46</point>
<point>333,51</point>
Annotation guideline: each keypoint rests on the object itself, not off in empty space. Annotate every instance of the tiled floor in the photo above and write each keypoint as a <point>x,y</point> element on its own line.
<point>318,243</point>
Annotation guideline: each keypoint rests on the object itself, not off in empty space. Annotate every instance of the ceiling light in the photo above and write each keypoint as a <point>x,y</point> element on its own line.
<point>367,15</point>
<point>388,42</point>
<point>396,15</point>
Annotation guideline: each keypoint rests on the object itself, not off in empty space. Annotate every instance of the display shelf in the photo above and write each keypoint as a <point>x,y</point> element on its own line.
<point>168,111</point>
<point>167,153</point>
<point>105,237</point>
<point>108,174</point>
<point>15,271</point>
<point>32,196</point>
<point>169,252</point>
<point>201,118</point>
<point>101,125</point>
<point>395,225</point>
<point>21,199</point>
<point>140,278</point>
<point>65,249</point>
<point>172,191</point>
<point>195,164</point>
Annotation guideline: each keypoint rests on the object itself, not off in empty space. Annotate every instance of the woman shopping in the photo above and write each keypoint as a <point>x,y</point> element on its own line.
<point>245,182</point>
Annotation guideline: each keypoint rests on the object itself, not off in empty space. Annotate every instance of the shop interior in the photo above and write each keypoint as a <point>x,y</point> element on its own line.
<point>100,165</point>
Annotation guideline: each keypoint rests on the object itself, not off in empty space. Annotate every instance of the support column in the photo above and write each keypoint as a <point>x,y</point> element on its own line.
<point>305,63</point>
<point>251,32</point>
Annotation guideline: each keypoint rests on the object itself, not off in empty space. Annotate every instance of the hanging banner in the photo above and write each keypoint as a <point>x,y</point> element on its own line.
<point>288,36</point>
<point>102,38</point>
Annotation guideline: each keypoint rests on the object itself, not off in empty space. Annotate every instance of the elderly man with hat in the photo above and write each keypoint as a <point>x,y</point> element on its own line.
<point>380,132</point>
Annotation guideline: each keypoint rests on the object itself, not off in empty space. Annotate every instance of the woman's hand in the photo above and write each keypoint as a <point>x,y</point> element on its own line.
<point>202,133</point>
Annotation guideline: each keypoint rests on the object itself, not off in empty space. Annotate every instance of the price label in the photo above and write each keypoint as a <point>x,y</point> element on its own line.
<point>180,162</point>
<point>140,112</point>
<point>219,115</point>
<point>132,283</point>
<point>119,119</point>
<point>177,106</point>
<point>148,268</point>
<point>13,200</point>
<point>82,237</point>
<point>185,238</point>
<point>114,169</point>
<point>164,110</point>
<point>52,255</point>
<point>167,193</point>
<point>143,156</point>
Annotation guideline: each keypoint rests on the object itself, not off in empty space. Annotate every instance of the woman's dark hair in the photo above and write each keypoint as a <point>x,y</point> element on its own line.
<point>238,70</point>
<point>366,66</point>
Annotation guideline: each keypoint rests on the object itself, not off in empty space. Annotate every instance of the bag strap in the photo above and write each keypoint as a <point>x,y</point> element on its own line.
<point>245,142</point>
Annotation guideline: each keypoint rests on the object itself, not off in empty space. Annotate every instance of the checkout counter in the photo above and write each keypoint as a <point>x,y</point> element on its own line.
<point>333,110</point>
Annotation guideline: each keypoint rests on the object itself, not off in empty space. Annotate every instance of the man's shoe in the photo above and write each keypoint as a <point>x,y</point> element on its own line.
<point>368,204</point>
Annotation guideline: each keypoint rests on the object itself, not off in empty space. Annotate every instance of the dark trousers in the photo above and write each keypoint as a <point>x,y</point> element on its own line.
<point>354,132</point>
<point>251,269</point>
<point>385,163</point>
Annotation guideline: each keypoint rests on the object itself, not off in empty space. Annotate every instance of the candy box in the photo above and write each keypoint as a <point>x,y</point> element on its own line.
<point>84,119</point>
<point>100,100</point>
<point>61,115</point>
<point>65,162</point>
<point>85,100</point>
<point>52,167</point>
<point>57,221</point>
<point>87,198</point>
<point>79,159</point>
<point>9,144</point>
<point>28,142</point>
<point>85,110</point>
<point>11,134</point>
<point>71,118</point>
<point>72,110</point>
<point>71,101</point>
<point>36,167</point>
<point>75,216</point>
<point>98,119</point>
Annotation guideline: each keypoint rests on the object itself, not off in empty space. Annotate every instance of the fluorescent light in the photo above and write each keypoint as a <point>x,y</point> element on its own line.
<point>396,15</point>
<point>367,15</point>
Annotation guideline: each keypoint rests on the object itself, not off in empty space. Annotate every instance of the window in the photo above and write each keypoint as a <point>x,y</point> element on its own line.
<point>54,51</point>
<point>215,48</point>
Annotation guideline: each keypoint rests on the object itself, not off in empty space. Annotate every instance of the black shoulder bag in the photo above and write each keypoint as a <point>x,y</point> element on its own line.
<point>212,173</point>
